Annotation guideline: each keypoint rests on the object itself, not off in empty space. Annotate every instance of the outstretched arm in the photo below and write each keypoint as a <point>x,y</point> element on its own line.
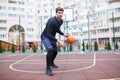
<point>60,32</point>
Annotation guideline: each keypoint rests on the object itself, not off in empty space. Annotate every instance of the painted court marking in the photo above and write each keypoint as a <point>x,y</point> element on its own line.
<point>111,79</point>
<point>19,70</point>
<point>7,56</point>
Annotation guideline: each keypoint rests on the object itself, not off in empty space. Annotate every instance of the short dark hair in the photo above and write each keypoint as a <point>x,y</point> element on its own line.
<point>59,9</point>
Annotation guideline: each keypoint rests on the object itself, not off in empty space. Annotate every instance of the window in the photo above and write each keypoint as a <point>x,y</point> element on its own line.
<point>3,7</point>
<point>3,14</point>
<point>12,1</point>
<point>75,33</point>
<point>30,35</point>
<point>3,1</point>
<point>117,29</point>
<point>2,35</point>
<point>103,30</point>
<point>30,29</point>
<point>12,15</point>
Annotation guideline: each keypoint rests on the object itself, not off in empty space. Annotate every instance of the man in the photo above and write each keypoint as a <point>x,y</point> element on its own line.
<point>48,38</point>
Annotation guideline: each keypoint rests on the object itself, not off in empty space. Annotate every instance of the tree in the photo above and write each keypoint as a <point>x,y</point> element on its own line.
<point>1,49</point>
<point>13,48</point>
<point>34,48</point>
<point>106,45</point>
<point>87,46</point>
<point>116,45</point>
<point>95,46</point>
<point>59,48</point>
<point>70,47</point>
<point>109,46</point>
<point>41,47</point>
<point>23,48</point>
<point>83,46</point>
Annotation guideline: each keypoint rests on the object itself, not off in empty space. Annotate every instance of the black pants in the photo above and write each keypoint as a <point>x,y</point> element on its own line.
<point>51,50</point>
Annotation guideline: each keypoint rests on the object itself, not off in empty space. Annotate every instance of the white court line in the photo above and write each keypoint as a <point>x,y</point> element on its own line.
<point>74,60</point>
<point>10,55</point>
<point>7,56</point>
<point>110,79</point>
<point>90,66</point>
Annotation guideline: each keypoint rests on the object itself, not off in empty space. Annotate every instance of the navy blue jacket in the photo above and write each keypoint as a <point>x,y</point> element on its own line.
<point>52,27</point>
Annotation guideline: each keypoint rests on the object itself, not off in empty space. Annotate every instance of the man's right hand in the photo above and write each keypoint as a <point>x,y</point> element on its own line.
<point>61,43</point>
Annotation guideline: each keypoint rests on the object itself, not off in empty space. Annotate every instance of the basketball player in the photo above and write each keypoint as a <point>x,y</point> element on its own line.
<point>48,38</point>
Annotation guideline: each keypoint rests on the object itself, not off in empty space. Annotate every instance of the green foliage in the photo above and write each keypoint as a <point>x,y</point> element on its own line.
<point>23,48</point>
<point>41,47</point>
<point>95,46</point>
<point>1,49</point>
<point>13,48</point>
<point>87,46</point>
<point>106,45</point>
<point>83,46</point>
<point>109,46</point>
<point>59,48</point>
<point>116,45</point>
<point>71,47</point>
<point>34,48</point>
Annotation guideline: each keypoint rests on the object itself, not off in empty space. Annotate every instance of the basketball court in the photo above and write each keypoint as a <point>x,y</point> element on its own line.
<point>72,66</point>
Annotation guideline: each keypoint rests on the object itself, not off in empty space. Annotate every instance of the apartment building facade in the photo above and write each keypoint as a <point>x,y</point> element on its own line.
<point>96,19</point>
<point>24,20</point>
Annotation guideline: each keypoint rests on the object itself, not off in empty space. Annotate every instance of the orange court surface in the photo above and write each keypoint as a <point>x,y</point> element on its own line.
<point>72,66</point>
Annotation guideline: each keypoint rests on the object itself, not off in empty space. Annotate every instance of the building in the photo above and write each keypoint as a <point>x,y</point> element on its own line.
<point>96,19</point>
<point>24,20</point>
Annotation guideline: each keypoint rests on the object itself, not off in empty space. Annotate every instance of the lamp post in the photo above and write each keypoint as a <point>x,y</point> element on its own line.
<point>64,38</point>
<point>19,33</point>
<point>67,33</point>
<point>41,32</point>
<point>88,31</point>
<point>113,30</point>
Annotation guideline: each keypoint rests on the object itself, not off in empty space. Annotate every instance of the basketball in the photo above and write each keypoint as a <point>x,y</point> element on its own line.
<point>70,39</point>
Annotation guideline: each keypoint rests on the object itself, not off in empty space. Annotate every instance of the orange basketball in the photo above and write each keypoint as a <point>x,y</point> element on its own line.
<point>70,39</point>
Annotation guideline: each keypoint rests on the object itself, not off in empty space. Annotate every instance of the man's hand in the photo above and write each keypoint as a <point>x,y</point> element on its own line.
<point>66,35</point>
<point>61,43</point>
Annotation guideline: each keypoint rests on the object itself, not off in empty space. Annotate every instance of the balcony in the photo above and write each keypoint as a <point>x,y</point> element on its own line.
<point>111,1</point>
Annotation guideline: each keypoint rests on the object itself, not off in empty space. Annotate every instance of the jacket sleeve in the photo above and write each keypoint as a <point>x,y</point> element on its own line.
<point>60,32</point>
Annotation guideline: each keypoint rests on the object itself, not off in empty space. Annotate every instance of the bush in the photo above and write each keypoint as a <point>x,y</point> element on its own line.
<point>34,48</point>
<point>116,45</point>
<point>13,48</point>
<point>106,45</point>
<point>23,49</point>
<point>70,47</point>
<point>1,49</point>
<point>83,46</point>
<point>41,47</point>
<point>59,48</point>
<point>95,46</point>
<point>87,46</point>
<point>109,46</point>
